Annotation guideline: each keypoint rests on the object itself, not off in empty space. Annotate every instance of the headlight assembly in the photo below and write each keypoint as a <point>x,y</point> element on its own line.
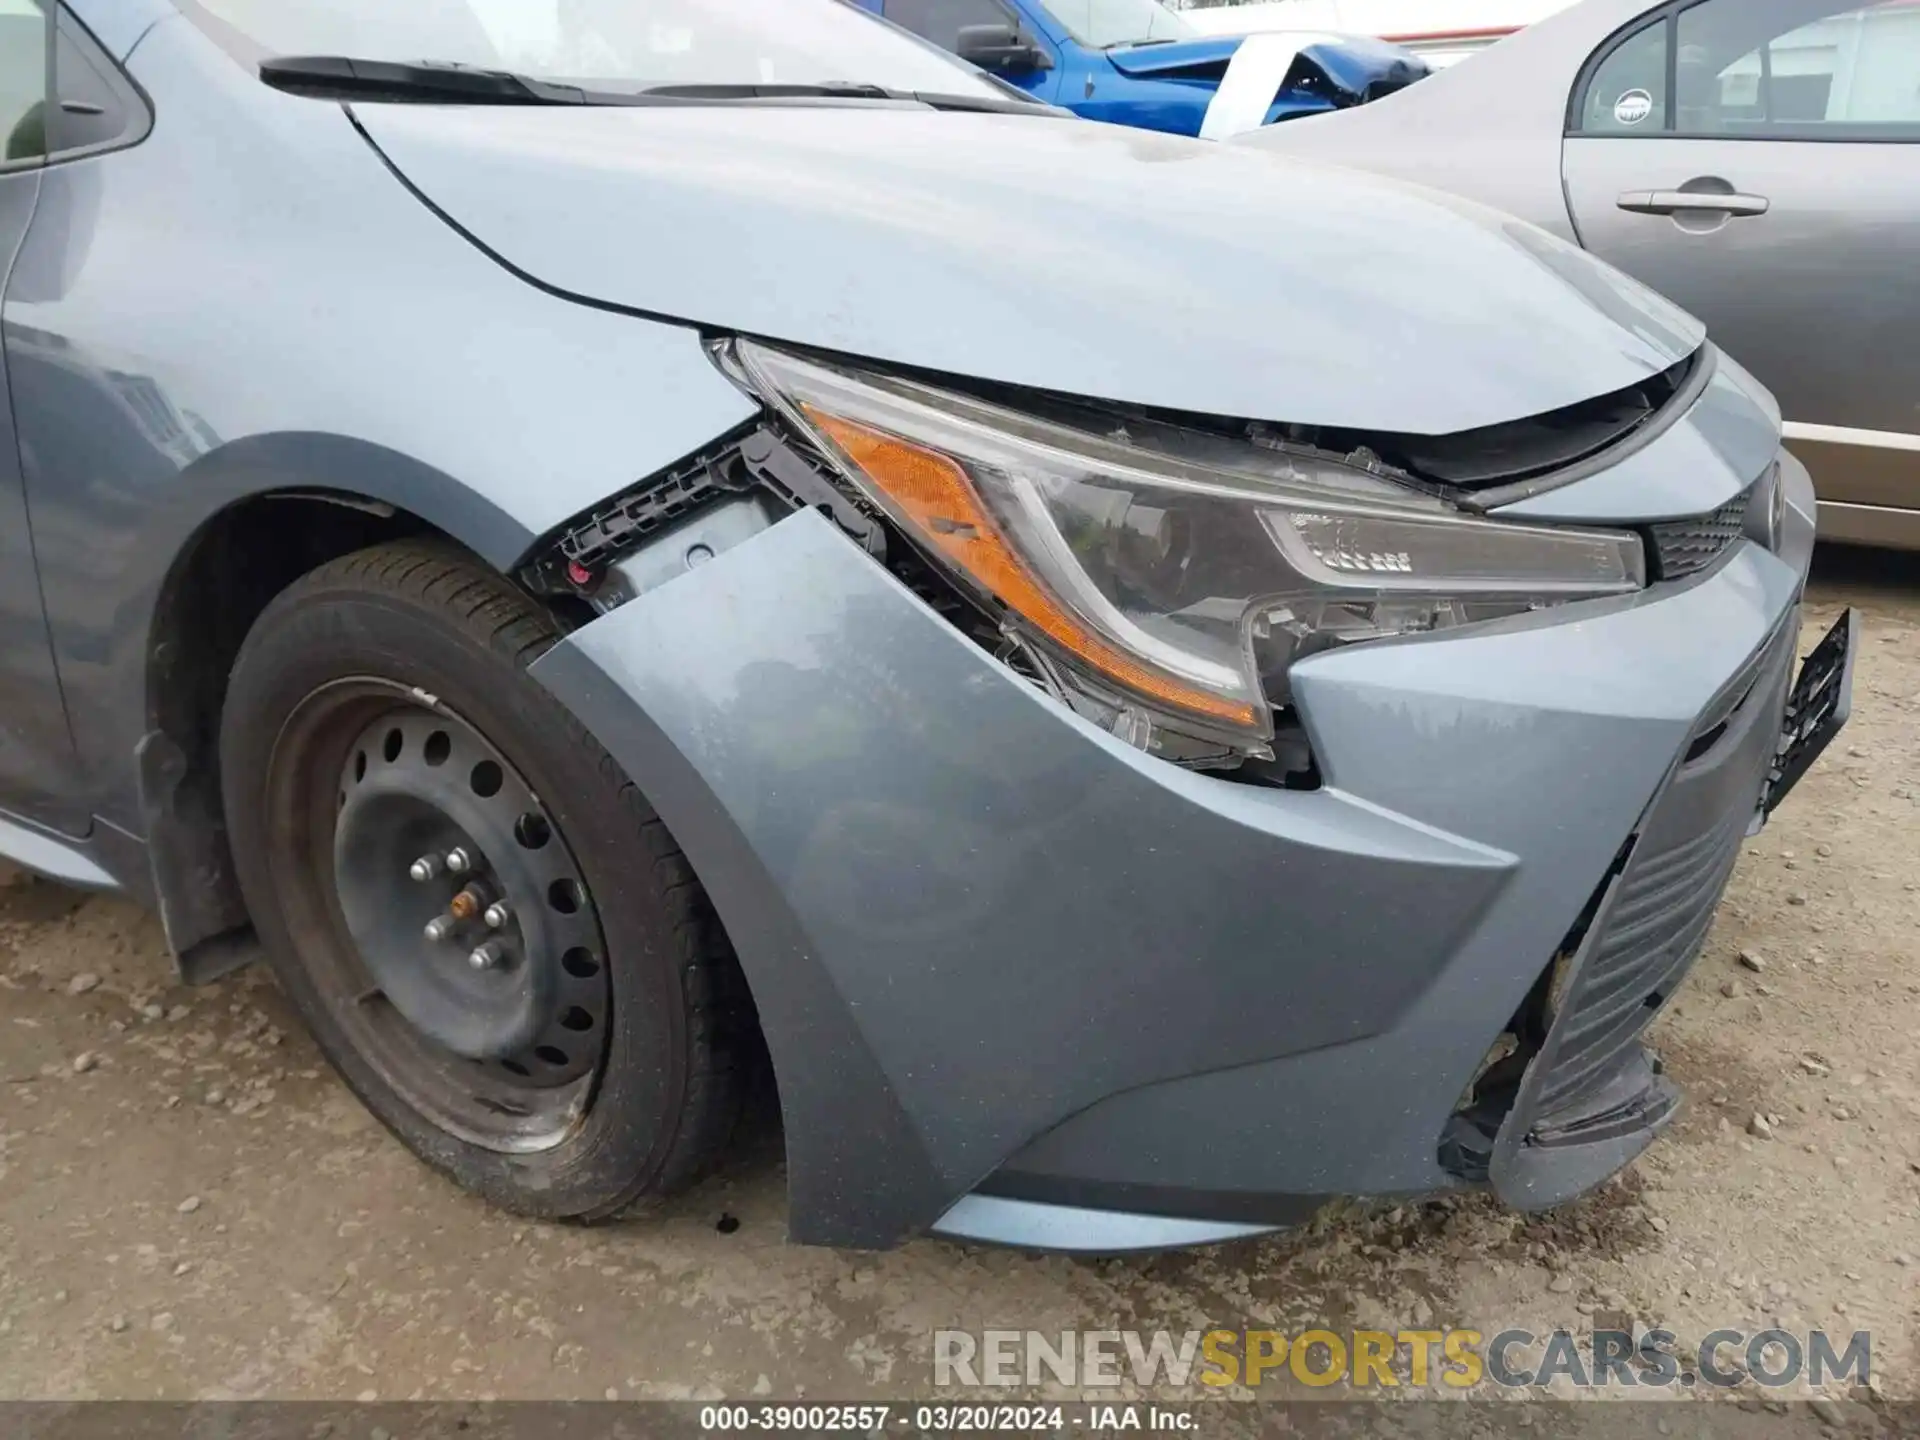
<point>1177,586</point>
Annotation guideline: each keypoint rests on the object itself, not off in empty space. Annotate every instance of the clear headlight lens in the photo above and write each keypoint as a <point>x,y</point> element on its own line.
<point>1184,585</point>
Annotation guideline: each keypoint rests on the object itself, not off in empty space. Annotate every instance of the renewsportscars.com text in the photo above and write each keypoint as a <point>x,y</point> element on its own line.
<point>1456,1359</point>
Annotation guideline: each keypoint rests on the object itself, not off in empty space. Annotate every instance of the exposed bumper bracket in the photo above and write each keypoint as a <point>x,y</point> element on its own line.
<point>1819,706</point>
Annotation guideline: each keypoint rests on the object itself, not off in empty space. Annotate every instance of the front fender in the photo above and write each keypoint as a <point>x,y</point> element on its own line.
<point>262,342</point>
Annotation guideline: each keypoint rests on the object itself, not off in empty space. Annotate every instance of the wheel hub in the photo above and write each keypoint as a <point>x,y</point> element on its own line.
<point>469,915</point>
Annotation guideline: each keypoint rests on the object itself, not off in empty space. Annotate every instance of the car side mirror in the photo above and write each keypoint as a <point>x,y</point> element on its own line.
<point>1000,48</point>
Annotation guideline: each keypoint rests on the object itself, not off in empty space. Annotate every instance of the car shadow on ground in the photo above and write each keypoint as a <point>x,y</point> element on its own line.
<point>1843,572</point>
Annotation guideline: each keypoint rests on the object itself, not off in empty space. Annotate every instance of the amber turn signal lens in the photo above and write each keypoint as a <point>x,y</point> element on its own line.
<point>933,494</point>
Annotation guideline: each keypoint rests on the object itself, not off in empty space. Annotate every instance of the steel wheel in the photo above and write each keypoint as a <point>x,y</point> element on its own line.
<point>492,936</point>
<point>471,965</point>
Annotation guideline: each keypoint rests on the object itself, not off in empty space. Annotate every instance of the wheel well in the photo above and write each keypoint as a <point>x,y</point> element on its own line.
<point>239,561</point>
<point>217,589</point>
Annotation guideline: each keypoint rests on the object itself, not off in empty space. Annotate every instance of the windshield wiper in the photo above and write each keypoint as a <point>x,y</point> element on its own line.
<point>1015,104</point>
<point>441,81</point>
<point>447,83</point>
<point>768,90</point>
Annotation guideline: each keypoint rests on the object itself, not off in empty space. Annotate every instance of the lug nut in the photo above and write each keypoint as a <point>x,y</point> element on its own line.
<point>425,868</point>
<point>487,956</point>
<point>497,915</point>
<point>439,927</point>
<point>458,861</point>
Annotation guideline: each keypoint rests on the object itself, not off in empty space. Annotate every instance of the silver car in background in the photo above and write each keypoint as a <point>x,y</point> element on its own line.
<point>1758,161</point>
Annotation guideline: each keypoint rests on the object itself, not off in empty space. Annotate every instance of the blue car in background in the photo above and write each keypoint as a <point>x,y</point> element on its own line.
<point>1135,62</point>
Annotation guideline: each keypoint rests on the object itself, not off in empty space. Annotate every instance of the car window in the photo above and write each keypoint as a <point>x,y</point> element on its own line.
<point>23,82</point>
<point>942,20</point>
<point>99,108</point>
<point>605,44</point>
<point>1787,70</point>
<point>1762,69</point>
<point>1109,24</point>
<point>1627,92</point>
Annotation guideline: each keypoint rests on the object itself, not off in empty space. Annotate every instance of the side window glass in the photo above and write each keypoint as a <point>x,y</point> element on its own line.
<point>1626,92</point>
<point>941,20</point>
<point>1799,71</point>
<point>23,82</point>
<point>89,112</point>
<point>99,108</point>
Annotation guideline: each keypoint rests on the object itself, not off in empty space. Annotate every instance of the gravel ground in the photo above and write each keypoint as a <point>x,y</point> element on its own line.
<point>191,1206</point>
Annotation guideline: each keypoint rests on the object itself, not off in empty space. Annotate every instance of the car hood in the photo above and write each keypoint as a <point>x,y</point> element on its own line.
<point>1085,259</point>
<point>1352,69</point>
<point>1200,59</point>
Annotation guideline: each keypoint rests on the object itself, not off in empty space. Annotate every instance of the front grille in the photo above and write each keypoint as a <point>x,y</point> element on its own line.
<point>1653,933</point>
<point>1651,929</point>
<point>1685,547</point>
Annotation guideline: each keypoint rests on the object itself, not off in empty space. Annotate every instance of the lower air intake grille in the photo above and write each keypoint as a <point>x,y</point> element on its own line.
<point>1684,547</point>
<point>1654,931</point>
<point>1651,931</point>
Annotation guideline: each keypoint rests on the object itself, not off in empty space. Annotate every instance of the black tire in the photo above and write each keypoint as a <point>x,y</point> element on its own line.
<point>438,626</point>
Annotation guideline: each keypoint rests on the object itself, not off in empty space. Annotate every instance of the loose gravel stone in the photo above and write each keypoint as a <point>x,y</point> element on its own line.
<point>1828,1412</point>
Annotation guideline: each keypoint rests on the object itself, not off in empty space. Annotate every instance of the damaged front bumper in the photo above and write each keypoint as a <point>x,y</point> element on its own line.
<point>1022,982</point>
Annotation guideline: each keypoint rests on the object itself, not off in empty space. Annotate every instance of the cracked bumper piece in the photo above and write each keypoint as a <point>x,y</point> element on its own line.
<point>1023,983</point>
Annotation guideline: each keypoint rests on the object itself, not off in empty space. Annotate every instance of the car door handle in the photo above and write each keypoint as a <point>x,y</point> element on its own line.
<point>1668,202</point>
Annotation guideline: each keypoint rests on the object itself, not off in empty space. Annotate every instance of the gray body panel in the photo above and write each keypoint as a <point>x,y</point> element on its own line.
<point>967,916</point>
<point>403,367</point>
<point>1086,259</point>
<point>36,748</point>
<point>119,25</point>
<point>912,852</point>
<point>1815,296</point>
<point>1489,128</point>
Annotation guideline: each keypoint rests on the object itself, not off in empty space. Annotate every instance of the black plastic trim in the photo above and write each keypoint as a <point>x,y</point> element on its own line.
<point>755,456</point>
<point>1817,708</point>
<point>1591,1098</point>
<point>1702,366</point>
